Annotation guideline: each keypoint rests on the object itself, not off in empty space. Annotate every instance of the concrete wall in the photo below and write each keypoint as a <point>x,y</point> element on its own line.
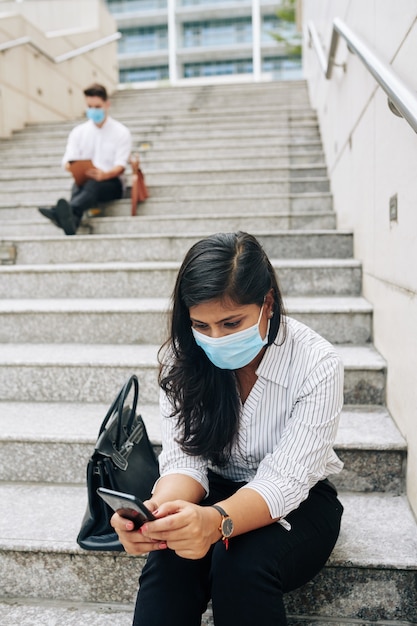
<point>372,156</point>
<point>34,88</point>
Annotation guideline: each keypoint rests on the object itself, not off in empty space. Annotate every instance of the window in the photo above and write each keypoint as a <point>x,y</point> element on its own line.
<point>201,2</point>
<point>218,68</point>
<point>143,39</point>
<point>217,32</point>
<point>284,68</point>
<point>129,6</point>
<point>140,74</point>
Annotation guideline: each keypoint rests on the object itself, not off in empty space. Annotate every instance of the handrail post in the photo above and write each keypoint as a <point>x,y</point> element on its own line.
<point>332,53</point>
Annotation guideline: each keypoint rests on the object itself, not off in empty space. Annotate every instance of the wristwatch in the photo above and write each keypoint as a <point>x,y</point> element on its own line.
<point>226,525</point>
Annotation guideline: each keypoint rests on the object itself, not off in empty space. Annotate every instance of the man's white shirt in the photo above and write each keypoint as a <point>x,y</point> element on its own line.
<point>107,146</point>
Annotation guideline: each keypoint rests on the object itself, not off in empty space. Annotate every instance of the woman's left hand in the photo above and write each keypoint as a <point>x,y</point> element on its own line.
<point>186,528</point>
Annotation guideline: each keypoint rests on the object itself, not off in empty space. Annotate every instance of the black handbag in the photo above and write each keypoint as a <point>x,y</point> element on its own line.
<point>123,460</point>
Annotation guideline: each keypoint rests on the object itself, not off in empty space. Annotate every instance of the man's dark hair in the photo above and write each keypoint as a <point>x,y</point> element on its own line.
<point>96,90</point>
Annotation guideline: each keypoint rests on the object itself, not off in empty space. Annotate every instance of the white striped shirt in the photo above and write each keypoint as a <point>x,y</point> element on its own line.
<point>287,424</point>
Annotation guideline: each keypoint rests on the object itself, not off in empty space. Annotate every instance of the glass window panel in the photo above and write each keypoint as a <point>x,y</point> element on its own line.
<point>205,2</point>
<point>143,39</point>
<point>217,32</point>
<point>140,74</point>
<point>128,6</point>
<point>283,67</point>
<point>218,68</point>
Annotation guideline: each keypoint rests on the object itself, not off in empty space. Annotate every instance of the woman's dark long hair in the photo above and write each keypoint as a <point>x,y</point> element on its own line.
<point>225,266</point>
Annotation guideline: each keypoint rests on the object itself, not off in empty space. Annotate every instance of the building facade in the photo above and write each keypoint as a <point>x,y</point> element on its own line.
<point>171,40</point>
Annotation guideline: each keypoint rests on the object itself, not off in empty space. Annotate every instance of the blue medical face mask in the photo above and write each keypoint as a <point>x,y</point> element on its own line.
<point>233,351</point>
<point>96,115</point>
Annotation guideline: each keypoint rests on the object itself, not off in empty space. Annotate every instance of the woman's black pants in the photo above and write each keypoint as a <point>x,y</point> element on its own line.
<point>246,583</point>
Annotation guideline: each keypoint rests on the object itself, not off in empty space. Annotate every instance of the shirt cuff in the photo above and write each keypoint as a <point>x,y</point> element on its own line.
<point>272,495</point>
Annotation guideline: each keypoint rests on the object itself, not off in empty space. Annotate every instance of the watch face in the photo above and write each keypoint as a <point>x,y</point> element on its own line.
<point>227,527</point>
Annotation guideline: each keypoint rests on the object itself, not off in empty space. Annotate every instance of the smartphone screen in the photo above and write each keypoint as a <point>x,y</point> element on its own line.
<point>126,505</point>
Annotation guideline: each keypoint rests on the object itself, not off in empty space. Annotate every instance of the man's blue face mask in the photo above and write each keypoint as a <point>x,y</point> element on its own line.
<point>96,115</point>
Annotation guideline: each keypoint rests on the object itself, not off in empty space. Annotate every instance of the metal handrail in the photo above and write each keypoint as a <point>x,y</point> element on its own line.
<point>401,100</point>
<point>23,41</point>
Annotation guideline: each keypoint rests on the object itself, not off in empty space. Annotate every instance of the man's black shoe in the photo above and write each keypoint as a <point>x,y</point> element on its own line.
<point>65,217</point>
<point>50,214</point>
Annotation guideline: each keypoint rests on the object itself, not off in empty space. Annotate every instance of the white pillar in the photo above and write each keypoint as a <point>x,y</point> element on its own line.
<point>256,40</point>
<point>172,43</point>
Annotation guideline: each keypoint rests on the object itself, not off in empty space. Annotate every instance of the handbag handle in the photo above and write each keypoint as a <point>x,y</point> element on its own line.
<point>118,405</point>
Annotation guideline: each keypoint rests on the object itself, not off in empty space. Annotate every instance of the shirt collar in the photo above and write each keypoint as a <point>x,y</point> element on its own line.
<point>275,363</point>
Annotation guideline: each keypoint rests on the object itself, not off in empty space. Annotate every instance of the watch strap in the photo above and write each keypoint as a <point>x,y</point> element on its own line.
<point>224,516</point>
<point>220,510</point>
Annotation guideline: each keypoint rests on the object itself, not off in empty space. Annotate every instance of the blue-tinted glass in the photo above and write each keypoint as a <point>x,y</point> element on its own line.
<point>140,74</point>
<point>283,67</point>
<point>128,6</point>
<point>201,2</point>
<point>218,68</point>
<point>217,32</point>
<point>143,39</point>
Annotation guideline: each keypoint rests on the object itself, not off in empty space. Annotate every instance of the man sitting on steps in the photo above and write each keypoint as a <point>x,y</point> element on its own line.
<point>107,143</point>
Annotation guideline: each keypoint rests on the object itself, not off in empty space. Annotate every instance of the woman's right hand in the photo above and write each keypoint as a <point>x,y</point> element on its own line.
<point>132,540</point>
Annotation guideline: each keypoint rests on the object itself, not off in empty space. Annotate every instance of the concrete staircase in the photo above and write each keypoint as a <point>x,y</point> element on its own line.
<point>80,314</point>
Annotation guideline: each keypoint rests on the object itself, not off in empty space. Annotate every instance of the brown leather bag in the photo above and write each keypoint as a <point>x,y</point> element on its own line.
<point>139,189</point>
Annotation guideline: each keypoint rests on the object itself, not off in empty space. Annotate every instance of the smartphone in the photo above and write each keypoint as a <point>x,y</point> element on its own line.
<point>126,505</point>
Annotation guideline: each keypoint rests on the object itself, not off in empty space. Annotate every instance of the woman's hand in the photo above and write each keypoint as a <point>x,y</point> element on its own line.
<point>186,528</point>
<point>132,540</point>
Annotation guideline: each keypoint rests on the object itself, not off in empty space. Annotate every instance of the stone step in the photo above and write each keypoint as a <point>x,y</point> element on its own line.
<point>96,321</point>
<point>35,437</point>
<point>230,116</point>
<point>157,224</point>
<point>197,139</point>
<point>298,277</point>
<point>147,113</point>
<point>51,190</point>
<point>155,145</point>
<point>371,571</point>
<point>149,110</point>
<point>285,90</point>
<point>292,244</point>
<point>21,612</point>
<point>212,106</point>
<point>147,106</point>
<point>198,133</point>
<point>276,123</point>
<point>153,118</point>
<point>172,160</point>
<point>234,204</point>
<point>41,179</point>
<point>187,207</point>
<point>202,206</point>
<point>152,221</point>
<point>228,119</point>
<point>235,187</point>
<point>84,372</point>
